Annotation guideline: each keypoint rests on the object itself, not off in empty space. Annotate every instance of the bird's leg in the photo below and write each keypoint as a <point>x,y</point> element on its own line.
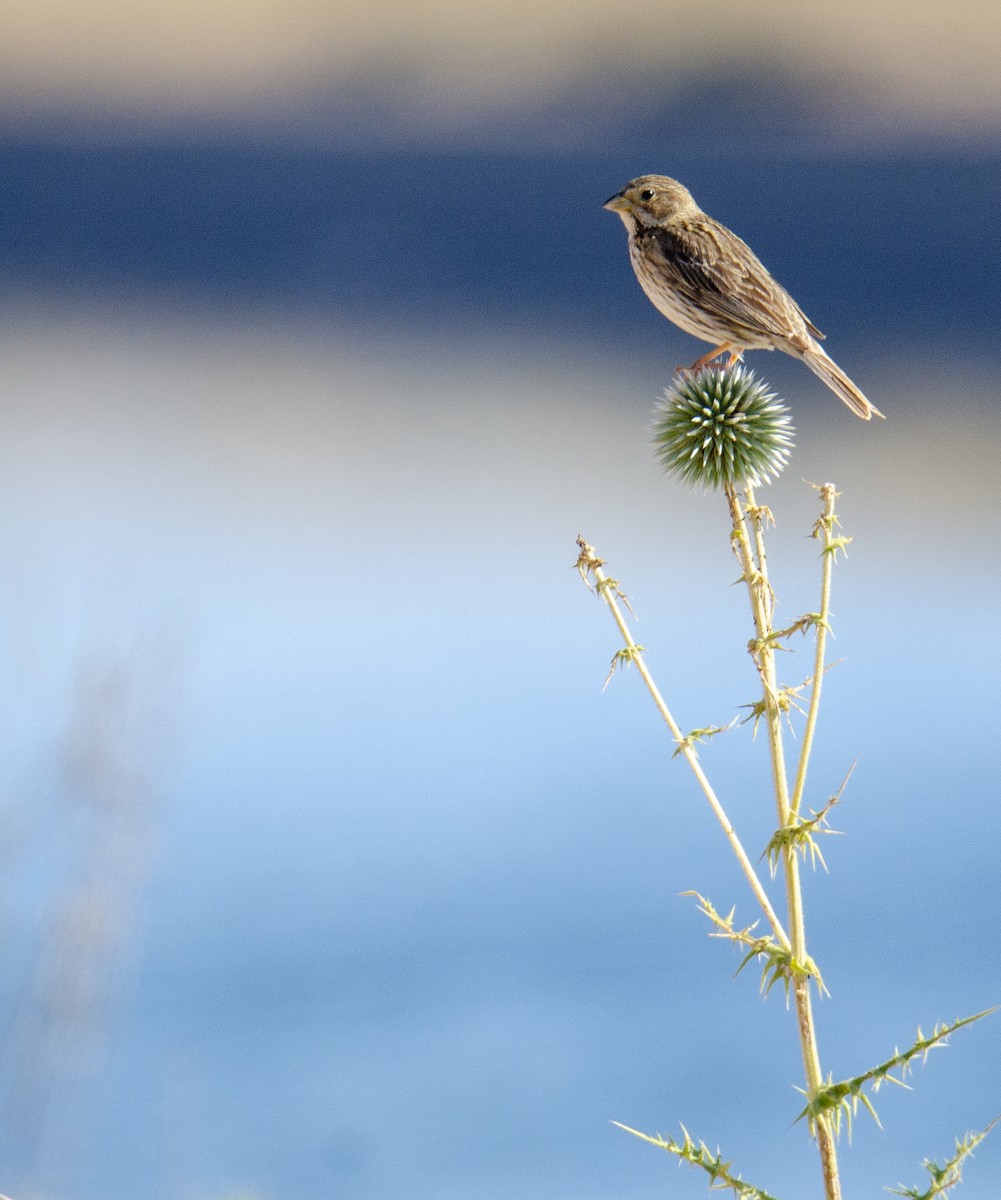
<point>706,359</point>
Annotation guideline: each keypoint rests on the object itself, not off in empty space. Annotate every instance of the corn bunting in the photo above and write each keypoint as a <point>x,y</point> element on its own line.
<point>711,284</point>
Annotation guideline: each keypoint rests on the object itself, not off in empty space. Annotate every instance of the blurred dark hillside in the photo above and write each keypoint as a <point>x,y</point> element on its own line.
<point>895,249</point>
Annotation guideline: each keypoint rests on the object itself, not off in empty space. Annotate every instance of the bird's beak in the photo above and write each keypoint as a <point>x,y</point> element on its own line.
<point>618,203</point>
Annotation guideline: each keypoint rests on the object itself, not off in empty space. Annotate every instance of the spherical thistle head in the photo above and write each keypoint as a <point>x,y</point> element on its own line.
<point>722,428</point>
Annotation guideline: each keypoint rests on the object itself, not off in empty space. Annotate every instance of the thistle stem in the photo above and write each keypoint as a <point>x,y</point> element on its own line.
<point>749,547</point>
<point>824,529</point>
<point>589,564</point>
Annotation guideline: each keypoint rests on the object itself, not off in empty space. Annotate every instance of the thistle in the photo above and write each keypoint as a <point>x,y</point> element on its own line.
<point>722,428</point>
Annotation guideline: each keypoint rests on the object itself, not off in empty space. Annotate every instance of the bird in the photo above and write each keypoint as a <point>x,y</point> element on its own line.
<point>710,283</point>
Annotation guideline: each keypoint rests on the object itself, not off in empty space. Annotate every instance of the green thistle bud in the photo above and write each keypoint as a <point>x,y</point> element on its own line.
<point>722,427</point>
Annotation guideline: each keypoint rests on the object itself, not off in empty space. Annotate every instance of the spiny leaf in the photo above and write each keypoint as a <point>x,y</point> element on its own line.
<point>836,544</point>
<point>622,658</point>
<point>836,1100</point>
<point>588,564</point>
<point>698,1154</point>
<point>946,1175</point>
<point>697,736</point>
<point>778,963</point>
<point>800,833</point>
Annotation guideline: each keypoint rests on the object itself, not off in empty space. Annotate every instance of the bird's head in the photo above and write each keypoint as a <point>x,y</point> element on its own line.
<point>651,200</point>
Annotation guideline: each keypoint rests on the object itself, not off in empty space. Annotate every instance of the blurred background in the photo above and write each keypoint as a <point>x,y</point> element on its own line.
<point>329,869</point>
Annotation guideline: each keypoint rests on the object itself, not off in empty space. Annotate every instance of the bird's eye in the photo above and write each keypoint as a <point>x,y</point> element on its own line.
<point>647,194</point>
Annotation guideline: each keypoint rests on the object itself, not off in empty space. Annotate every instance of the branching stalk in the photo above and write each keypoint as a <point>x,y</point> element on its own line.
<point>589,564</point>
<point>749,546</point>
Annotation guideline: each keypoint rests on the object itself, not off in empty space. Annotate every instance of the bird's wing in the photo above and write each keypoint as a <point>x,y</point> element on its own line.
<point>716,266</point>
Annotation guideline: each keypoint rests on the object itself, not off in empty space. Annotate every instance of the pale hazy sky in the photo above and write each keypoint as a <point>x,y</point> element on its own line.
<point>936,65</point>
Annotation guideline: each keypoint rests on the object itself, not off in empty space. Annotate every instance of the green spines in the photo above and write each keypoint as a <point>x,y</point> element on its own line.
<point>722,427</point>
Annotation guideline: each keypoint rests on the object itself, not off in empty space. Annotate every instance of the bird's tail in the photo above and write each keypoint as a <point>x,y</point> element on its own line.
<point>827,369</point>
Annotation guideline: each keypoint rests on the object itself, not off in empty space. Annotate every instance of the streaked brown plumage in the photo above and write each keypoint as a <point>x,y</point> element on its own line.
<point>711,284</point>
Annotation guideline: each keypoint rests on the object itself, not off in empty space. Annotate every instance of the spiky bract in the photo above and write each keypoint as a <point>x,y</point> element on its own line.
<point>722,427</point>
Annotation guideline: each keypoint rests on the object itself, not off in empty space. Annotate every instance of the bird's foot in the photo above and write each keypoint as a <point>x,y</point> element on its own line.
<point>736,356</point>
